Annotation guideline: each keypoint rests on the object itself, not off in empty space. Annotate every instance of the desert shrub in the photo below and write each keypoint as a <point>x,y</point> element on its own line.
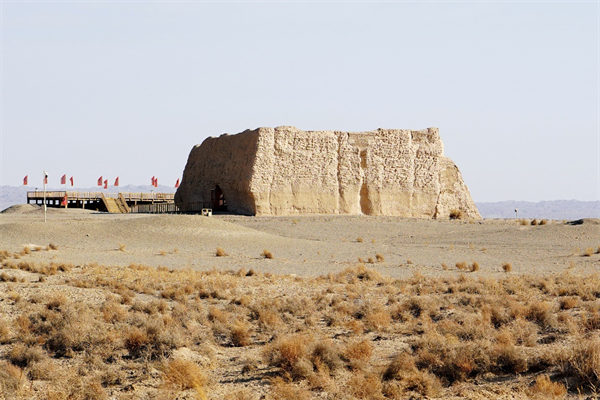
<point>185,374</point>
<point>52,246</point>
<point>24,356</point>
<point>220,252</point>
<point>444,266</point>
<point>377,319</point>
<point>359,239</point>
<point>365,386</point>
<point>583,361</point>
<point>10,379</point>
<point>524,332</point>
<point>240,334</point>
<point>451,361</point>
<point>402,364</point>
<point>358,353</point>
<point>567,303</point>
<point>474,266</point>
<point>267,254</point>
<point>122,247</point>
<point>298,356</point>
<point>507,267</point>
<point>326,354</point>
<point>282,390</point>
<point>456,214</point>
<point>5,331</point>
<point>541,313</point>
<point>113,312</point>
<point>510,359</point>
<point>462,265</point>
<point>402,376</point>
<point>359,273</point>
<point>287,351</point>
<point>588,252</point>
<point>42,370</point>
<point>534,222</point>
<point>544,388</point>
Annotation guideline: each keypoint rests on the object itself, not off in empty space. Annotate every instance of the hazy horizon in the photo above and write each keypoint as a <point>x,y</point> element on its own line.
<point>127,89</point>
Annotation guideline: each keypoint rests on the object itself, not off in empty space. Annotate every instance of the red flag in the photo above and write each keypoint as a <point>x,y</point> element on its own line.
<point>63,180</point>
<point>25,180</point>
<point>71,181</point>
<point>106,184</point>
<point>64,201</point>
<point>117,181</point>
<point>155,182</point>
<point>177,183</point>
<point>100,181</point>
<point>152,181</point>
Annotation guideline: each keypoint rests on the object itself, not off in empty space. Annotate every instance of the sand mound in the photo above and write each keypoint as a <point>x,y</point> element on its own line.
<point>21,209</point>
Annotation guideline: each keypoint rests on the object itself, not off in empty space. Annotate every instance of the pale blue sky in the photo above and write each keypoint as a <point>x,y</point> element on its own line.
<point>127,88</point>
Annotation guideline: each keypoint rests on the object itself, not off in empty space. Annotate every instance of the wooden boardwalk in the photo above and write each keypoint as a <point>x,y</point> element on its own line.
<point>110,202</point>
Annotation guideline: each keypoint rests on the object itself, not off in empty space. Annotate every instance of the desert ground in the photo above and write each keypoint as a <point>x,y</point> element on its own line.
<point>103,306</point>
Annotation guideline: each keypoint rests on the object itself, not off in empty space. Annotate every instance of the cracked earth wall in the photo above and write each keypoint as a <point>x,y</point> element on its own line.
<point>287,171</point>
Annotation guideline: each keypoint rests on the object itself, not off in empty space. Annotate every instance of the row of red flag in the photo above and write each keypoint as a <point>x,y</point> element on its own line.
<point>101,182</point>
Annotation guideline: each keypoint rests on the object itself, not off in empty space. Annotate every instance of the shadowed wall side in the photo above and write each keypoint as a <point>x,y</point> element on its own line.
<point>225,161</point>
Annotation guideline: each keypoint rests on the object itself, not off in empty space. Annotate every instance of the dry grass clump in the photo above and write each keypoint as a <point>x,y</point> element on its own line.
<point>507,267</point>
<point>588,252</point>
<point>534,222</point>
<point>474,266</point>
<point>456,214</point>
<point>524,222</point>
<point>582,362</point>
<point>122,247</point>
<point>380,258</point>
<point>462,265</point>
<point>567,303</point>
<point>185,374</point>
<point>544,388</point>
<point>359,239</point>
<point>220,252</point>
<point>267,254</point>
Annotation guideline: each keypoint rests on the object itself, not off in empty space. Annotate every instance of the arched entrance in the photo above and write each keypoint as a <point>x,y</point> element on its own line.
<point>217,198</point>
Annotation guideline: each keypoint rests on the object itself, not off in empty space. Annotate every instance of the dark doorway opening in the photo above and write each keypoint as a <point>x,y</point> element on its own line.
<point>217,198</point>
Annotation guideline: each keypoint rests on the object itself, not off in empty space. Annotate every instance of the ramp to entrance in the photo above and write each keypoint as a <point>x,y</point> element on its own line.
<point>111,205</point>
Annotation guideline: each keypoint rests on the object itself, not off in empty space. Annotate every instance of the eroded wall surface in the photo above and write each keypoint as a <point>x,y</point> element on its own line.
<point>287,171</point>
<point>226,161</point>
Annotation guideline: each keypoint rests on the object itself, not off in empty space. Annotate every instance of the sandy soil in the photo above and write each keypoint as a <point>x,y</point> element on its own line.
<point>305,245</point>
<point>308,246</point>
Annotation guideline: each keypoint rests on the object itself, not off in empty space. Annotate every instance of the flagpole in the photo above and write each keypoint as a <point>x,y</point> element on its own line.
<point>45,177</point>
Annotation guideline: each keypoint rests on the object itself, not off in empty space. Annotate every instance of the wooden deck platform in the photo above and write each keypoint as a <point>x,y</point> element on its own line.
<point>110,202</point>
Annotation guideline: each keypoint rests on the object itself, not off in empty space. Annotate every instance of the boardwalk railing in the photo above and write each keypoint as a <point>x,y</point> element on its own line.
<point>72,195</point>
<point>170,208</point>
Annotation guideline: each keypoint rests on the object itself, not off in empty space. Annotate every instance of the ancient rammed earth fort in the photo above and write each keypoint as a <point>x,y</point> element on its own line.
<point>287,171</point>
